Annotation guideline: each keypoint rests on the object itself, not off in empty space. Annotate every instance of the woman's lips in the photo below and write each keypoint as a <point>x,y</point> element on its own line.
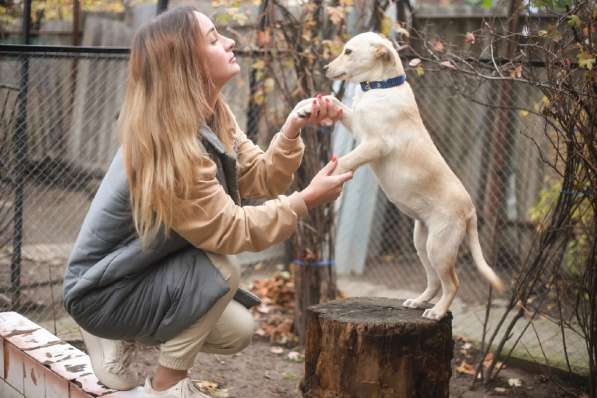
<point>232,60</point>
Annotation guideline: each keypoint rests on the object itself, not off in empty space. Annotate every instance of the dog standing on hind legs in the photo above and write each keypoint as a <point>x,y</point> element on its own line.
<point>410,170</point>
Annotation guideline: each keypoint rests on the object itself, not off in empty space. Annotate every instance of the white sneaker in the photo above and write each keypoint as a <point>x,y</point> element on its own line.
<point>183,389</point>
<point>110,360</point>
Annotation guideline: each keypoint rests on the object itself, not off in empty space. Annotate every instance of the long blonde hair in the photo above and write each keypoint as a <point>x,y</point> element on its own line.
<point>166,101</point>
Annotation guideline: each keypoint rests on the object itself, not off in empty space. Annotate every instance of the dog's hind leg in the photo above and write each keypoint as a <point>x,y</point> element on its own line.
<point>420,241</point>
<point>442,249</point>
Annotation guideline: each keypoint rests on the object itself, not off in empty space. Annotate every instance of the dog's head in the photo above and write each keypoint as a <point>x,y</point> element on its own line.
<point>364,57</point>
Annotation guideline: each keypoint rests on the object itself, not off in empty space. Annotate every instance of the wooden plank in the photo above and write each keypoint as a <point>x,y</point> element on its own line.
<point>2,375</point>
<point>12,323</point>
<point>56,386</point>
<point>15,367</point>
<point>8,391</point>
<point>34,379</point>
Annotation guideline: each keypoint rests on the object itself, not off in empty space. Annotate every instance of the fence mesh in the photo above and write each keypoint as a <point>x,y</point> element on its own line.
<point>58,136</point>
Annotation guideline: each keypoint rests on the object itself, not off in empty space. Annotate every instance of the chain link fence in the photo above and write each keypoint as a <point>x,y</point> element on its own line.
<point>58,135</point>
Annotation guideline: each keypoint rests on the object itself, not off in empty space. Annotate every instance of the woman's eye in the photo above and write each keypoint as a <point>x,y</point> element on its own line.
<point>347,51</point>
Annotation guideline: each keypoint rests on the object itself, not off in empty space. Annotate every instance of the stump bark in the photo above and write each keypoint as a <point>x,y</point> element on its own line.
<point>373,348</point>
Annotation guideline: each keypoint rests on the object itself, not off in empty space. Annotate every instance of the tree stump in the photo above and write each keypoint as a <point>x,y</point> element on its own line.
<point>373,347</point>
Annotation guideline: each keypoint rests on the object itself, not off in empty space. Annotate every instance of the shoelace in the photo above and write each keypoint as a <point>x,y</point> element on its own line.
<point>123,359</point>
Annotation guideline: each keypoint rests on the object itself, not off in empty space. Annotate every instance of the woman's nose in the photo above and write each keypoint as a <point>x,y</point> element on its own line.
<point>231,44</point>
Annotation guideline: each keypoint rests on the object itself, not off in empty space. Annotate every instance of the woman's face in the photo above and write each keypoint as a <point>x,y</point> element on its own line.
<point>221,63</point>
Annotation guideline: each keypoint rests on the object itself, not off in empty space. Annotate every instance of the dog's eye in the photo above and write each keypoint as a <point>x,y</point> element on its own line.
<point>348,51</point>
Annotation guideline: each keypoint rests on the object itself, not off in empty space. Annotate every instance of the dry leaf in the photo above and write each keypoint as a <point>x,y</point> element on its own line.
<point>212,388</point>
<point>469,38</point>
<point>260,332</point>
<point>516,72</point>
<point>277,350</point>
<point>447,64</point>
<point>414,62</point>
<point>514,382</point>
<point>295,356</point>
<point>466,368</point>
<point>500,390</point>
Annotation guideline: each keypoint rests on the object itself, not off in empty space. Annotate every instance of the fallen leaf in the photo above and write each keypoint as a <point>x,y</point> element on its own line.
<point>260,332</point>
<point>414,62</point>
<point>212,388</point>
<point>420,71</point>
<point>500,390</point>
<point>516,72</point>
<point>466,368</point>
<point>295,356</point>
<point>447,64</point>
<point>469,38</point>
<point>277,350</point>
<point>514,382</point>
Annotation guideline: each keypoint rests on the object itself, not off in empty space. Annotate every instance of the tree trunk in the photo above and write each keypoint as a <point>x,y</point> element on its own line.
<point>373,347</point>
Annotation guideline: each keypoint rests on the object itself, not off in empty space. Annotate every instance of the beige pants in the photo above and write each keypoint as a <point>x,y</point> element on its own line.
<point>226,328</point>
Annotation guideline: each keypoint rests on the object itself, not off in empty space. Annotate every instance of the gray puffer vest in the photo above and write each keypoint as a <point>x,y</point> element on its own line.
<point>115,289</point>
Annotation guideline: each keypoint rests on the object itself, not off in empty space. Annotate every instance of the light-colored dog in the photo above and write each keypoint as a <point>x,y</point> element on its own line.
<point>409,167</point>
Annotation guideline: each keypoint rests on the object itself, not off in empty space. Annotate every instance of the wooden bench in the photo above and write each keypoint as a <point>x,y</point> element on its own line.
<point>36,364</point>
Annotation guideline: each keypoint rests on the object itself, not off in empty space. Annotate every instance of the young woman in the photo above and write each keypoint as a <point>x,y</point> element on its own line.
<point>152,261</point>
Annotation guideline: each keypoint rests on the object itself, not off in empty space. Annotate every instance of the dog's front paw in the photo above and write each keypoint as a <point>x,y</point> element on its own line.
<point>433,313</point>
<point>413,303</point>
<point>304,110</point>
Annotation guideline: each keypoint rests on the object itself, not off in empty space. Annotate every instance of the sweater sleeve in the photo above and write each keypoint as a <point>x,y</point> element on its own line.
<point>210,220</point>
<point>269,173</point>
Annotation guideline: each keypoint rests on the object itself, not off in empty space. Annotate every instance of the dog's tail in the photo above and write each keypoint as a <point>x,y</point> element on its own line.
<point>475,247</point>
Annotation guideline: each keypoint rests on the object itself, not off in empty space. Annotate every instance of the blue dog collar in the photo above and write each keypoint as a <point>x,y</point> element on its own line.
<point>393,82</point>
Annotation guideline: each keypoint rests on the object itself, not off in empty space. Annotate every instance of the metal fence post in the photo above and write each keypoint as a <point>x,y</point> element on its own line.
<point>20,144</point>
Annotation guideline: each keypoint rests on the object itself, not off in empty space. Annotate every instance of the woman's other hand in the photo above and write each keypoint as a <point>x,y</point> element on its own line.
<point>325,187</point>
<point>317,110</point>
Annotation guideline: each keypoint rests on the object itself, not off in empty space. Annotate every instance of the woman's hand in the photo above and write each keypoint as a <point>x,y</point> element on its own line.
<point>325,187</point>
<point>318,110</point>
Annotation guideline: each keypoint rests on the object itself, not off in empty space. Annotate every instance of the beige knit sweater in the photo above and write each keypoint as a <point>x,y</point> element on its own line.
<point>217,225</point>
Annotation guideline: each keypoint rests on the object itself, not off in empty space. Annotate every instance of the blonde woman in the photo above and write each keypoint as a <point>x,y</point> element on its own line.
<point>152,261</point>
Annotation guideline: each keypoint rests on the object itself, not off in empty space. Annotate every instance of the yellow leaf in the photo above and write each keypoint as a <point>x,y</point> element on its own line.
<point>269,84</point>
<point>386,26</point>
<point>259,64</point>
<point>585,60</point>
<point>523,113</point>
<point>420,71</point>
<point>259,97</point>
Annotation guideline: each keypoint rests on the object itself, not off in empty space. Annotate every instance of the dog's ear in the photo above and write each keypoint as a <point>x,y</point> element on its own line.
<point>383,52</point>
